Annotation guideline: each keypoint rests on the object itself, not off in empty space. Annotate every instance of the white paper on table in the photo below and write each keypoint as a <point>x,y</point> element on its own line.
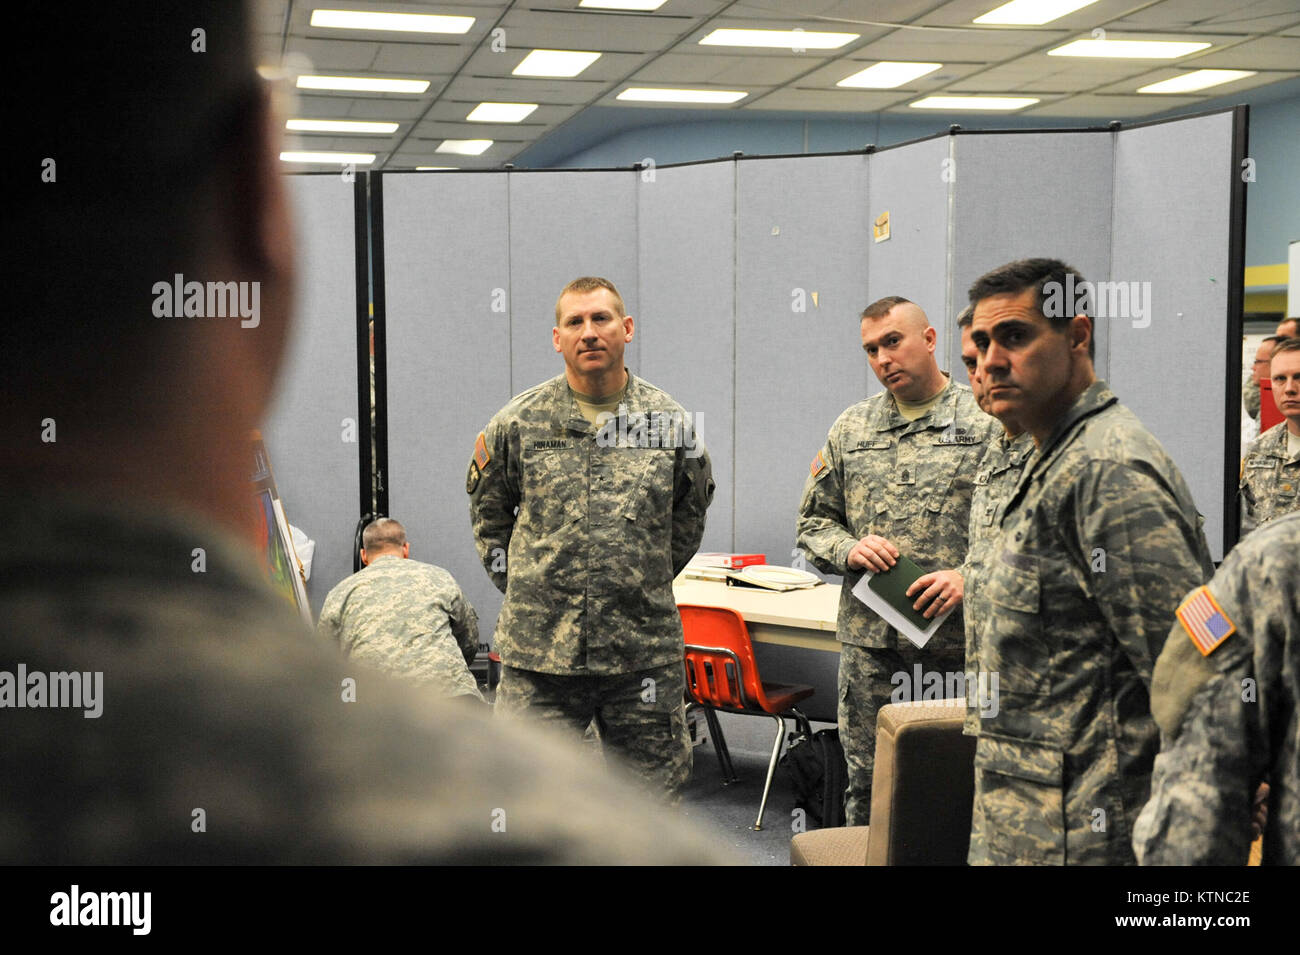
<point>886,612</point>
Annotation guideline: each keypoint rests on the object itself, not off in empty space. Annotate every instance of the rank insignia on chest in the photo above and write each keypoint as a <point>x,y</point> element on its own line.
<point>818,466</point>
<point>1204,620</point>
<point>481,456</point>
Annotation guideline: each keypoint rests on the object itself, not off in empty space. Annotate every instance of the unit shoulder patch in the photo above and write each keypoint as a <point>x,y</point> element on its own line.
<point>1205,621</point>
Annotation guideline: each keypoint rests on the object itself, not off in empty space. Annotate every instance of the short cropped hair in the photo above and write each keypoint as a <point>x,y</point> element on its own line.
<point>1295,331</point>
<point>589,283</point>
<point>882,306</point>
<point>1014,277</point>
<point>966,316</point>
<point>382,534</point>
<point>1284,344</point>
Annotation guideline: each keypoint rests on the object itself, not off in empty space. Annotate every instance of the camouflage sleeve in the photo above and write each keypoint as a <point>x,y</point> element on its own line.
<point>464,624</point>
<point>1247,500</point>
<point>493,498</point>
<point>1250,396</point>
<point>823,527</point>
<point>1211,757</point>
<point>691,498</point>
<point>1138,555</point>
<point>330,626</point>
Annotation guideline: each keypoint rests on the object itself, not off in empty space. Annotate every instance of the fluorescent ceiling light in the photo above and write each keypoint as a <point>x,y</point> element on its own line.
<point>652,95</point>
<point>974,102</point>
<point>1196,80</point>
<point>433,168</point>
<point>887,74</point>
<point>782,39</point>
<point>362,84</point>
<point>500,112</point>
<point>464,147</point>
<point>555,63</point>
<point>1033,11</point>
<point>332,158</point>
<point>339,126</point>
<point>394,22</point>
<point>1130,49</point>
<point>622,4</point>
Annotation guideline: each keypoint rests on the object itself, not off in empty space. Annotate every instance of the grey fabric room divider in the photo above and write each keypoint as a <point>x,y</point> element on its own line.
<point>1174,185</point>
<point>313,434</point>
<point>746,278</point>
<point>686,249</point>
<point>802,235</point>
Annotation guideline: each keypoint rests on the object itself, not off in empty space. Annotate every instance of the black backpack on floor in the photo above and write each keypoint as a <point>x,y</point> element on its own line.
<point>818,774</point>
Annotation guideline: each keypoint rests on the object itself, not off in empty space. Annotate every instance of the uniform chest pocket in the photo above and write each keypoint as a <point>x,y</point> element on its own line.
<point>649,485</point>
<point>1014,643</point>
<point>946,483</point>
<point>554,485</point>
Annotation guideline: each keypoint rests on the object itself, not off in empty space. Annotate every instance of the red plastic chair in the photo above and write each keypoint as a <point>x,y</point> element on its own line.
<point>721,675</point>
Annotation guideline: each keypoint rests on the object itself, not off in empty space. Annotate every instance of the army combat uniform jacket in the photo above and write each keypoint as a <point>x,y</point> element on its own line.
<point>907,481</point>
<point>606,518</point>
<point>406,618</point>
<point>1099,543</point>
<point>995,480</point>
<point>1270,480</point>
<point>1226,694</point>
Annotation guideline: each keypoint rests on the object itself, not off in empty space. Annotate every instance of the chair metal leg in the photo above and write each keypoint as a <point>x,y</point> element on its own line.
<point>720,747</point>
<point>771,769</point>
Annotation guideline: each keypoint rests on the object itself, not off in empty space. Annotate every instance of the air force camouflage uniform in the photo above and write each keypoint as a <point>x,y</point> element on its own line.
<point>406,618</point>
<point>1099,542</point>
<point>909,482</point>
<point>995,480</point>
<point>1226,694</point>
<point>1270,480</point>
<point>606,519</point>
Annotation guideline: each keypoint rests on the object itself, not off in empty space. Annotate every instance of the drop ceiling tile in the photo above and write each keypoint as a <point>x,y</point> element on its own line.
<point>389,107</point>
<point>418,60</point>
<point>1105,108</point>
<point>320,107</point>
<point>333,55</point>
<point>681,69</point>
<point>1266,53</point>
<point>822,101</point>
<point>1259,16</point>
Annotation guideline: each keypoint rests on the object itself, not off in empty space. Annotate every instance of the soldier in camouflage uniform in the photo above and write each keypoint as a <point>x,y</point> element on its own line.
<point>1098,543</point>
<point>587,496</point>
<point>883,484</point>
<point>128,546</point>
<point>403,617</point>
<point>1270,471</point>
<point>995,479</point>
<point>1225,694</point>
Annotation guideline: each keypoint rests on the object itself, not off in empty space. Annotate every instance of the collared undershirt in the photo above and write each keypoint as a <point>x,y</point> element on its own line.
<point>592,406</point>
<point>913,410</point>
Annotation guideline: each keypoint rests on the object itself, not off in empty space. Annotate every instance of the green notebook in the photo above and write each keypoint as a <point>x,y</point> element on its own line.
<point>892,585</point>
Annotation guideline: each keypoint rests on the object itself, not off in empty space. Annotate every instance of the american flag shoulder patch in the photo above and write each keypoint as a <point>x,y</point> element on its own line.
<point>1205,621</point>
<point>481,456</point>
<point>818,465</point>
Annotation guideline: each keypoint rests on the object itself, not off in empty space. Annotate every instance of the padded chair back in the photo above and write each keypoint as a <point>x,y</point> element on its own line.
<point>720,667</point>
<point>923,785</point>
